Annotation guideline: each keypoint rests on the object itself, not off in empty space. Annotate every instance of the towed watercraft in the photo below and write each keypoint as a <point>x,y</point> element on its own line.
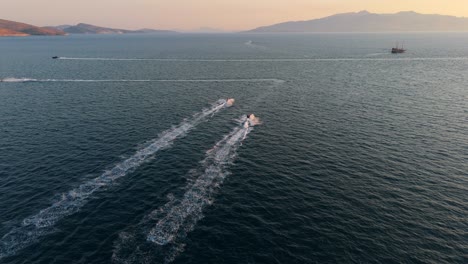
<point>252,120</point>
<point>230,102</point>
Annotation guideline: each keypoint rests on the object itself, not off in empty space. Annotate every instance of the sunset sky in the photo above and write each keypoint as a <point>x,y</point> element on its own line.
<point>192,14</point>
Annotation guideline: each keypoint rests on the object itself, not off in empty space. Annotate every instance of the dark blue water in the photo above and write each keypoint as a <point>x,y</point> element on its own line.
<point>118,152</point>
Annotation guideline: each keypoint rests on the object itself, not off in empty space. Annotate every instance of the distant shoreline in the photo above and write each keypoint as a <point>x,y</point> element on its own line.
<point>17,29</point>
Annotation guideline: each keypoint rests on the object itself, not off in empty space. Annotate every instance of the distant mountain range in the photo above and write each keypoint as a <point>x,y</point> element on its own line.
<point>363,21</point>
<point>369,22</point>
<point>11,28</point>
<point>91,29</point>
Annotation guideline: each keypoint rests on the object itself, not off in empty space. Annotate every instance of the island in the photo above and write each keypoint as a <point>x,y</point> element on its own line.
<point>364,21</point>
<point>17,29</point>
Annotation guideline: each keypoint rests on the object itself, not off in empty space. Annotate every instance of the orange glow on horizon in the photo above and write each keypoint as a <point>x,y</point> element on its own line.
<point>193,14</point>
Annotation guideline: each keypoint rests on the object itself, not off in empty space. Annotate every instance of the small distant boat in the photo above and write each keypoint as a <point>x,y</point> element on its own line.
<point>55,57</point>
<point>398,49</point>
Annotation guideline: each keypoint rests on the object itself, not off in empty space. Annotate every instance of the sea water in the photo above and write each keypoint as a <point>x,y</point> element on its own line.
<point>361,156</point>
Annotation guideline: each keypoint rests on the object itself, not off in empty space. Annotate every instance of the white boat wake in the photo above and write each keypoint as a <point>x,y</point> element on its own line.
<point>178,217</point>
<point>271,59</point>
<point>33,227</point>
<point>254,45</point>
<point>24,80</point>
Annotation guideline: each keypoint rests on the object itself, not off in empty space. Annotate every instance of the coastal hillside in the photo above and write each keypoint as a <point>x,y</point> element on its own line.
<point>12,28</point>
<point>83,28</point>
<point>11,33</point>
<point>369,22</point>
<point>17,29</point>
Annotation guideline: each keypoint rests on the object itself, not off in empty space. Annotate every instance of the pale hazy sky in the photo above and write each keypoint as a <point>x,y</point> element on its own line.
<point>192,14</point>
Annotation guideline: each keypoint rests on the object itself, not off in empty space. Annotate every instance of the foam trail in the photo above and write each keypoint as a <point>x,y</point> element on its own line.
<point>184,215</point>
<point>40,224</point>
<point>158,237</point>
<point>16,80</point>
<point>376,54</point>
<point>273,59</point>
<point>254,45</point>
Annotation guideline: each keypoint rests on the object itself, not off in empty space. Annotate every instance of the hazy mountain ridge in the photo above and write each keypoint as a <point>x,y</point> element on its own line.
<point>16,29</point>
<point>83,28</point>
<point>12,28</point>
<point>369,22</point>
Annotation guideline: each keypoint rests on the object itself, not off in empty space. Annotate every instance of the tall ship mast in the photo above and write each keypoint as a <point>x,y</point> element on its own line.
<point>398,49</point>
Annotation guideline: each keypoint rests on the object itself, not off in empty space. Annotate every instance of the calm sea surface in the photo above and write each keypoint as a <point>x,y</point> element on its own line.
<point>121,152</point>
